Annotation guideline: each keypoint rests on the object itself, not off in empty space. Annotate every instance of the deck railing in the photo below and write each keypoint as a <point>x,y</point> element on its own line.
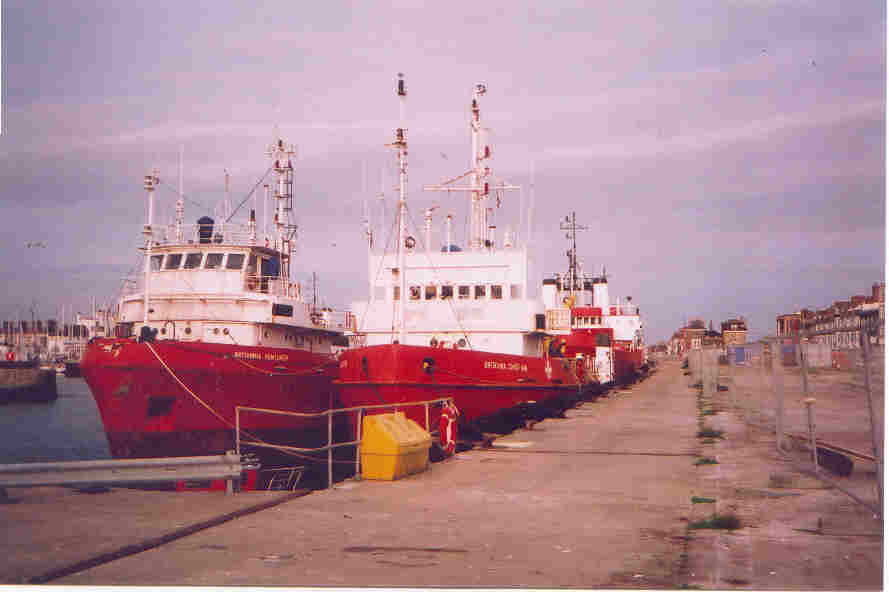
<point>360,410</point>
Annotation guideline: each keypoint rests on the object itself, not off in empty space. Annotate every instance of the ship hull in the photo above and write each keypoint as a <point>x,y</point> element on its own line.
<point>185,406</point>
<point>482,384</point>
<point>627,365</point>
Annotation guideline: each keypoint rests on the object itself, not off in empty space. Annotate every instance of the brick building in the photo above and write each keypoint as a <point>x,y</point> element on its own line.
<point>734,332</point>
<point>839,324</point>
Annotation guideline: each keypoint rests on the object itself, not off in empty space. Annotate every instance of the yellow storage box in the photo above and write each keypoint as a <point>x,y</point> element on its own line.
<point>393,446</point>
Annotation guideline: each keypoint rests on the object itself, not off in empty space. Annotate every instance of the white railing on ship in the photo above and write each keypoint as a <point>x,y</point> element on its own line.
<point>558,319</point>
<point>330,443</point>
<point>272,285</point>
<point>228,234</point>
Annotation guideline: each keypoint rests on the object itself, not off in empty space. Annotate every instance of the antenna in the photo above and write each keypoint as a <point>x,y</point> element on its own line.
<point>570,224</point>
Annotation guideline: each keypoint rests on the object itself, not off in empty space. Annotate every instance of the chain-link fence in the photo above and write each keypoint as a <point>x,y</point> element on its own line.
<point>825,407</point>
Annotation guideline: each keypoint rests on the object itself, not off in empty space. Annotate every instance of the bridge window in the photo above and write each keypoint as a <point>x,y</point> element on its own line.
<point>214,260</point>
<point>462,292</point>
<point>173,261</point>
<point>156,262</point>
<point>193,260</point>
<point>430,292</point>
<point>479,292</point>
<point>235,261</point>
<point>496,292</point>
<point>447,292</point>
<point>415,292</point>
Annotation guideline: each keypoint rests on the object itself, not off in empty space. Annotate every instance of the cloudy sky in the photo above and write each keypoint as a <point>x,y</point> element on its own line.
<point>727,157</point>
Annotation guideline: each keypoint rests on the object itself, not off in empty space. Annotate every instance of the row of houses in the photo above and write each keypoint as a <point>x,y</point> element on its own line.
<point>838,325</point>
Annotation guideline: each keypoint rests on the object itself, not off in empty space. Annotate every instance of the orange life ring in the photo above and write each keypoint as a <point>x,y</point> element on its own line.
<point>447,428</point>
<point>10,356</point>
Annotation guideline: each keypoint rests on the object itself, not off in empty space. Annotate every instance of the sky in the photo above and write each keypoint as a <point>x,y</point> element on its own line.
<point>728,158</point>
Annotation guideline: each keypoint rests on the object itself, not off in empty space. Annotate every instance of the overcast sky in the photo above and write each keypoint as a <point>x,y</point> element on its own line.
<point>727,157</point>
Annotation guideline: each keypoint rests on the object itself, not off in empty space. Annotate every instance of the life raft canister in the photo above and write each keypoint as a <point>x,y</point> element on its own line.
<point>447,428</point>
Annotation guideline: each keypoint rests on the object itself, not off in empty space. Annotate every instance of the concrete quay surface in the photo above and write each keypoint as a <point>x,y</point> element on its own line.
<point>600,498</point>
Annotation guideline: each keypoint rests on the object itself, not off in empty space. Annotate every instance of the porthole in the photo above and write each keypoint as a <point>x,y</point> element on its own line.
<point>188,330</point>
<point>163,330</point>
<point>215,330</point>
<point>225,331</point>
<point>265,334</point>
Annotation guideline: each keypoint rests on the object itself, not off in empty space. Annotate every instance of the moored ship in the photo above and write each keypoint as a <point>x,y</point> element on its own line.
<point>456,321</point>
<point>215,321</point>
<point>609,337</point>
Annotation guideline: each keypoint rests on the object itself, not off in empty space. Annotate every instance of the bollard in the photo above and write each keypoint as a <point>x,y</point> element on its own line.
<point>810,402</point>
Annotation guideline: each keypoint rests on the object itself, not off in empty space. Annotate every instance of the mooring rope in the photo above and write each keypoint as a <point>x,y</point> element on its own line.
<point>225,421</point>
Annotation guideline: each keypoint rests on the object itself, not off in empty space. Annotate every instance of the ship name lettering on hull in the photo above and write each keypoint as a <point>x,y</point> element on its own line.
<point>241,355</point>
<point>515,366</point>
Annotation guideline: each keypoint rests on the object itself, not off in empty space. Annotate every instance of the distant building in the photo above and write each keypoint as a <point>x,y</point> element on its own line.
<point>839,324</point>
<point>734,331</point>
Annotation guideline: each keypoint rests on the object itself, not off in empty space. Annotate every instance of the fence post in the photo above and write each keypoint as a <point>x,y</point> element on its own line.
<point>803,365</point>
<point>810,416</point>
<point>864,338</point>
<point>777,376</point>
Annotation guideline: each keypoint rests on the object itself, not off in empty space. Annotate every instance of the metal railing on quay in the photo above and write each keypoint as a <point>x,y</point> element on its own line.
<point>140,471</point>
<point>329,413</point>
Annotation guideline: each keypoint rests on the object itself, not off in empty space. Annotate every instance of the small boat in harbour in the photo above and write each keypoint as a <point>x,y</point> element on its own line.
<point>24,381</point>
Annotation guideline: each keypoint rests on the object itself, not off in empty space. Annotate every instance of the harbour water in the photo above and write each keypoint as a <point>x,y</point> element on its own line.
<point>68,428</point>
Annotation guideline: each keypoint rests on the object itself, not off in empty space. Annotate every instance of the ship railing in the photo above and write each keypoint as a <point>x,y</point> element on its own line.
<point>331,445</point>
<point>229,234</point>
<point>119,472</point>
<point>558,319</point>
<point>273,285</point>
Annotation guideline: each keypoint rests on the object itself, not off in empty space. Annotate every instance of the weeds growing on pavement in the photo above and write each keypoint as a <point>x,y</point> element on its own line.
<point>718,521</point>
<point>706,461</point>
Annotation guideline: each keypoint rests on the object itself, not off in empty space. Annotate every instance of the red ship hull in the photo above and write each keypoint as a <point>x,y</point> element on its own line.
<point>482,384</point>
<point>147,412</point>
<point>627,364</point>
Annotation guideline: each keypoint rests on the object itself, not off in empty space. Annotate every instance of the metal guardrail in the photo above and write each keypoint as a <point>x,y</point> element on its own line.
<point>239,442</point>
<point>123,472</point>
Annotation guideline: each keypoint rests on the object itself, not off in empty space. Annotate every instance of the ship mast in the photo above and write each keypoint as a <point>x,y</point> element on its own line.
<point>479,176</point>
<point>150,182</point>
<point>283,201</point>
<point>400,145</point>
<point>570,224</point>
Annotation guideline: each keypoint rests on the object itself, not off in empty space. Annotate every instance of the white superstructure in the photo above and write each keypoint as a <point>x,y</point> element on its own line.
<point>440,294</point>
<point>221,283</point>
